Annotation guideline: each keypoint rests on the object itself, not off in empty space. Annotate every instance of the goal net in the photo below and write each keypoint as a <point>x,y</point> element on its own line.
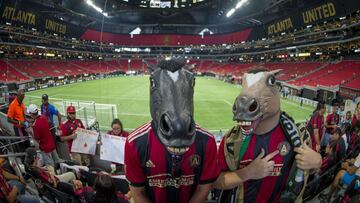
<point>89,112</point>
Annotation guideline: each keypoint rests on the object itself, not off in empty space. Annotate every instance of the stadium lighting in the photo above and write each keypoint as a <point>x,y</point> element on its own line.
<point>230,13</point>
<point>98,9</point>
<point>238,5</point>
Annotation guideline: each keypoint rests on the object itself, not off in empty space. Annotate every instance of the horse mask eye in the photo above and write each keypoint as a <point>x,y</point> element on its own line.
<point>271,80</point>
<point>152,83</point>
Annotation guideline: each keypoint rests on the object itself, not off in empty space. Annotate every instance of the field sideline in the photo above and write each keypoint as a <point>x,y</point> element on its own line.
<point>213,100</point>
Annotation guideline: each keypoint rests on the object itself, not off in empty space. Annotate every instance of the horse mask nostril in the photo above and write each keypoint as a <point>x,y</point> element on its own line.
<point>253,106</point>
<point>191,127</point>
<point>165,123</point>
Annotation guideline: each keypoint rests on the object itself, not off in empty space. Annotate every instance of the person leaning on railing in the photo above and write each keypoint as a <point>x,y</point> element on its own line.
<point>16,116</point>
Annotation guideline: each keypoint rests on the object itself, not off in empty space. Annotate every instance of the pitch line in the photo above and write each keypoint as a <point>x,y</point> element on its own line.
<point>227,102</point>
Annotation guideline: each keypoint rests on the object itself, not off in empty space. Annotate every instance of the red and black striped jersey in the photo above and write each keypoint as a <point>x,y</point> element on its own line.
<point>166,177</point>
<point>269,188</point>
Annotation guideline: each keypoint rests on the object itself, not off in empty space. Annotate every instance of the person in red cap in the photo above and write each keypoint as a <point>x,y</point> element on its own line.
<point>68,130</point>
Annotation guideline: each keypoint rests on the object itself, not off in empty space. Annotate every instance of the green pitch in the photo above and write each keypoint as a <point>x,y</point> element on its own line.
<point>213,100</point>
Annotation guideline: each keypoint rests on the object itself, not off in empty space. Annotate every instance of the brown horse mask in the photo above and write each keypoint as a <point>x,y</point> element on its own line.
<point>257,108</point>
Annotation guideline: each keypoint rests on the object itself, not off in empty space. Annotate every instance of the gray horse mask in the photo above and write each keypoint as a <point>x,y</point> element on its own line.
<point>171,105</point>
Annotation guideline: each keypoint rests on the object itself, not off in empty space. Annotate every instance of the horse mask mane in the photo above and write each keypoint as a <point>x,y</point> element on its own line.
<point>171,104</point>
<point>257,108</point>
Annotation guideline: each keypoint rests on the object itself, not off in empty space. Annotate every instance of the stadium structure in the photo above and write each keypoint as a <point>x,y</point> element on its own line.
<point>94,55</point>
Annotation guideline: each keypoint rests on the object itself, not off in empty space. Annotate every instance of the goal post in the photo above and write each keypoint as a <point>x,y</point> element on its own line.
<point>89,112</point>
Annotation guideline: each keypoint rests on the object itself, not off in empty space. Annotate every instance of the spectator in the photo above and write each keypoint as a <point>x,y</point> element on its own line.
<point>105,191</point>
<point>16,116</point>
<point>315,125</point>
<point>336,149</point>
<point>332,121</point>
<point>341,112</point>
<point>43,135</point>
<point>356,114</point>
<point>346,130</point>
<point>49,111</point>
<point>344,177</point>
<point>68,129</point>
<point>347,119</point>
<point>117,129</point>
<point>14,191</point>
<point>47,173</point>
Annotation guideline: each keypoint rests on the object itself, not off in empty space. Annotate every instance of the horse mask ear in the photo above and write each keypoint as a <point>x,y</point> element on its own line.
<point>276,72</point>
<point>190,67</point>
<point>151,67</point>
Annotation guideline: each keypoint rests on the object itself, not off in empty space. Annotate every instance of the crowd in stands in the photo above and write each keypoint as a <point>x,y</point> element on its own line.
<point>336,137</point>
<point>42,162</point>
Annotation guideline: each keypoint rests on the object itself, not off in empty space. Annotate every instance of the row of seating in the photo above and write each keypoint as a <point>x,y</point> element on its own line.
<point>345,73</point>
<point>331,75</point>
<point>9,75</point>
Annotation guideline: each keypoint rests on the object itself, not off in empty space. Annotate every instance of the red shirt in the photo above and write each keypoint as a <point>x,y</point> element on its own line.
<point>121,134</point>
<point>316,122</point>
<point>354,120</point>
<point>269,188</point>
<point>332,119</point>
<point>43,135</point>
<point>69,127</point>
<point>169,178</point>
<point>5,188</point>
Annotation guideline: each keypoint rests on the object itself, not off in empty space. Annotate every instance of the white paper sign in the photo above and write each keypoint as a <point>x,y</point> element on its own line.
<point>85,142</point>
<point>112,148</point>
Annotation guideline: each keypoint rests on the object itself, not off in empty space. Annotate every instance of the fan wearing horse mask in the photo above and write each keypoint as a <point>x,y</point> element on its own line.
<point>265,157</point>
<point>171,159</point>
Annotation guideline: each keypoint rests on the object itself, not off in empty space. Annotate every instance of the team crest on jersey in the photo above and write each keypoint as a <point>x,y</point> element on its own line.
<point>284,148</point>
<point>150,164</point>
<point>194,160</point>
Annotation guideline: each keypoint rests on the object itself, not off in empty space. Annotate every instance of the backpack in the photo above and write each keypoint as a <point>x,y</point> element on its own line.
<point>296,134</point>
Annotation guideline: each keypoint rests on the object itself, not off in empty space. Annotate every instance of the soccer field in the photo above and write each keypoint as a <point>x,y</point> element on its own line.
<point>213,100</point>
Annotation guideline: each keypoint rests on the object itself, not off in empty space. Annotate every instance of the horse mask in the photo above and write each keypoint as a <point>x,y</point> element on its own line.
<point>171,104</point>
<point>257,108</point>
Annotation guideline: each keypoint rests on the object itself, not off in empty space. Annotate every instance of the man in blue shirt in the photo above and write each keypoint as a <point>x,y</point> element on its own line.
<point>49,111</point>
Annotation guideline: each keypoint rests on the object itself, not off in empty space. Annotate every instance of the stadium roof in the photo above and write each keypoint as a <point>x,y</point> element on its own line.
<point>172,16</point>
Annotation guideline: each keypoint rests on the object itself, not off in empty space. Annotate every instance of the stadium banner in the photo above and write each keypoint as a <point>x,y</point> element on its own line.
<point>112,148</point>
<point>326,10</point>
<point>27,16</point>
<point>85,142</point>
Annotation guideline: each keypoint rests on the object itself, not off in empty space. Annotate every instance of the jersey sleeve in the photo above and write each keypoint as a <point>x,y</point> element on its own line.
<point>81,123</point>
<point>54,111</point>
<point>221,157</point>
<point>210,170</point>
<point>134,171</point>
<point>315,122</point>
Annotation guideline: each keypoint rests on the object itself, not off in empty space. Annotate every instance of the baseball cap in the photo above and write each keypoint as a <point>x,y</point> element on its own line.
<point>45,96</point>
<point>32,109</point>
<point>71,109</point>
